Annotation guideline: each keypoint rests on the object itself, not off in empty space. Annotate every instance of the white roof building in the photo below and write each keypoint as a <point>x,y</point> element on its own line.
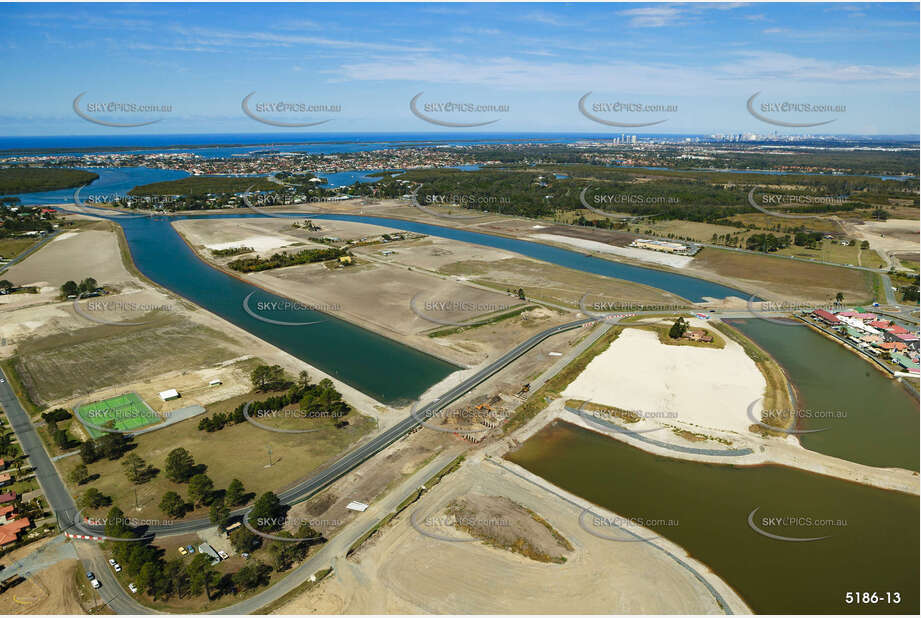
<point>170,394</point>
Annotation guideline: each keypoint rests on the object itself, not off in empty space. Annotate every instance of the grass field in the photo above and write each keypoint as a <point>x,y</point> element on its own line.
<point>11,247</point>
<point>237,451</point>
<point>815,282</point>
<point>126,413</point>
<point>120,355</point>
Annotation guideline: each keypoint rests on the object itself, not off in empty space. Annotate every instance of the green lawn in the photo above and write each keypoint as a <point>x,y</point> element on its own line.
<point>126,413</point>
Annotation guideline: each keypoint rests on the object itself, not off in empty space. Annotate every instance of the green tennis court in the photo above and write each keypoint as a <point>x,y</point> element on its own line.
<point>125,412</point>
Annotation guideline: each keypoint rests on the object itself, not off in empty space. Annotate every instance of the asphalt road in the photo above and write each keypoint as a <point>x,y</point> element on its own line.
<point>60,500</point>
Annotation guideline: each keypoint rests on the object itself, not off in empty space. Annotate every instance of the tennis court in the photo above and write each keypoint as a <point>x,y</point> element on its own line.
<point>126,412</point>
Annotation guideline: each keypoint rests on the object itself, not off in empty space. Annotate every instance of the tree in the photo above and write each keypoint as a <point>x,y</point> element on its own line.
<point>69,289</point>
<point>865,244</point>
<point>678,328</point>
<point>252,576</point>
<point>303,379</point>
<point>200,488</point>
<point>179,465</point>
<point>172,504</point>
<point>267,513</point>
<point>147,577</point>
<point>79,475</point>
<point>264,377</point>
<point>220,513</point>
<point>235,493</point>
<point>6,285</point>
<point>61,438</point>
<point>117,525</point>
<point>202,576</point>
<point>88,452</point>
<point>93,499</point>
<point>112,445</point>
<point>136,469</point>
<point>521,294</point>
<point>839,297</point>
<point>243,540</point>
<point>88,285</point>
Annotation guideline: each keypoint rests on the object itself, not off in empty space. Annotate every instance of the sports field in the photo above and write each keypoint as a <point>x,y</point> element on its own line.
<point>126,413</point>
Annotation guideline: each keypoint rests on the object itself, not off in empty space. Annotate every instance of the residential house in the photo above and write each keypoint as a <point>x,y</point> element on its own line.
<point>9,533</point>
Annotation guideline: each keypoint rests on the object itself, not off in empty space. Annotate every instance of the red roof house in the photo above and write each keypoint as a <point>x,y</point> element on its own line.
<point>9,533</point>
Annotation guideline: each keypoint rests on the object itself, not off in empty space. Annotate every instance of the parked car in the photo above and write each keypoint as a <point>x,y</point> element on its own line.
<point>95,583</point>
<point>223,554</point>
<point>111,562</point>
<point>245,556</point>
<point>133,588</point>
<point>182,551</point>
<point>90,575</point>
<point>190,548</point>
<point>117,567</point>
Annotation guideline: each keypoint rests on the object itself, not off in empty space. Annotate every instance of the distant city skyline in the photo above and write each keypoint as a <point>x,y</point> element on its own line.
<point>682,69</point>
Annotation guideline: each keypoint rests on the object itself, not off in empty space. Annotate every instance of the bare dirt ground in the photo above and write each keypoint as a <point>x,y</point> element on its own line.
<point>72,256</point>
<point>405,571</point>
<point>49,591</point>
<point>891,235</point>
<point>372,481</point>
<point>398,294</point>
<point>780,279</point>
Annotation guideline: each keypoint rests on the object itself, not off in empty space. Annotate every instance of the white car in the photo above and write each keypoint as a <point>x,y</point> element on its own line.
<point>133,588</point>
<point>95,583</point>
<point>111,562</point>
<point>223,555</point>
<point>117,567</point>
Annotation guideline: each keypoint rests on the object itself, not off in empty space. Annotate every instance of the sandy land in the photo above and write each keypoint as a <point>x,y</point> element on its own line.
<point>258,243</point>
<point>696,386</point>
<point>644,255</point>
<point>73,256</point>
<point>377,292</point>
<point>403,571</point>
<point>54,317</point>
<point>891,235</point>
<point>49,591</point>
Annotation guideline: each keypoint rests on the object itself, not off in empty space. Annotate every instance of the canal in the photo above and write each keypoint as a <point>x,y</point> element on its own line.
<point>872,535</point>
<point>864,416</point>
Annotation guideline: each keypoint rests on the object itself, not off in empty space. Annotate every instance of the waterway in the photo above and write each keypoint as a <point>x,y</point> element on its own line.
<point>868,417</point>
<point>376,365</point>
<point>872,543</point>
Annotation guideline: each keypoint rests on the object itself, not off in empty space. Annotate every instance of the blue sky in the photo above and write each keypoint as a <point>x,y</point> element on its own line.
<point>536,59</point>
